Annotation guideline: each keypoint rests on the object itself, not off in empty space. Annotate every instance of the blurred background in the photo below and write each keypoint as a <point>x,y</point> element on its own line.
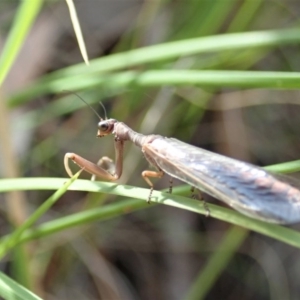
<point>159,252</point>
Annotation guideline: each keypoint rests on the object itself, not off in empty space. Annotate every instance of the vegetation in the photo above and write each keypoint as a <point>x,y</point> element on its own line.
<point>221,75</point>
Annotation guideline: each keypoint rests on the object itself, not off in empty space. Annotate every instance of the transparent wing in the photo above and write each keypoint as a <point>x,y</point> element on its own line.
<point>247,188</point>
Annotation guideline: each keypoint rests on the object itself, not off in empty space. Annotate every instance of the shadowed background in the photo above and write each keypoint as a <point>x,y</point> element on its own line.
<point>158,252</point>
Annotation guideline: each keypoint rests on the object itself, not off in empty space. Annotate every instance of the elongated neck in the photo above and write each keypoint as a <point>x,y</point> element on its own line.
<point>125,133</point>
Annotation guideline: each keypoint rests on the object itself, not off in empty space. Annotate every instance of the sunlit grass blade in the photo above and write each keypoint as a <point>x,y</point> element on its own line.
<point>24,18</point>
<point>56,81</point>
<point>11,290</point>
<point>77,29</point>
<point>286,167</point>
<point>170,50</point>
<point>280,233</point>
<point>158,78</point>
<point>12,240</point>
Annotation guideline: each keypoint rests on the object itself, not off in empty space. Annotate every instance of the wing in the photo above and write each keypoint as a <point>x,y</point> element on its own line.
<point>247,188</point>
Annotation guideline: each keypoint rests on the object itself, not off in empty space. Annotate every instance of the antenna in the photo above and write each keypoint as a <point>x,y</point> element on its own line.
<point>89,105</point>
<point>105,115</point>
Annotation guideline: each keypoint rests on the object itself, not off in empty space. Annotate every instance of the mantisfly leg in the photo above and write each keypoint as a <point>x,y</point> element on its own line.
<point>207,210</point>
<point>193,194</point>
<point>99,170</point>
<point>87,166</point>
<point>170,185</point>
<point>156,174</point>
<point>107,164</point>
<point>199,196</point>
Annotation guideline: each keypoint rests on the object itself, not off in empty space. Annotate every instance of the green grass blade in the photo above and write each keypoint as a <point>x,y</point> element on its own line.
<point>11,290</point>
<point>211,79</point>
<point>226,249</point>
<point>56,81</point>
<point>216,43</point>
<point>280,233</point>
<point>103,213</point>
<point>10,242</point>
<point>286,167</point>
<point>77,30</point>
<point>24,19</point>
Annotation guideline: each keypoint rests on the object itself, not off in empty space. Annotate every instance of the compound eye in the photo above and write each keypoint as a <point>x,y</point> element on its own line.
<point>103,126</point>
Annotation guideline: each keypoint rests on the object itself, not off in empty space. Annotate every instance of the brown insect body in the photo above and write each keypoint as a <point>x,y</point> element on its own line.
<point>247,188</point>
